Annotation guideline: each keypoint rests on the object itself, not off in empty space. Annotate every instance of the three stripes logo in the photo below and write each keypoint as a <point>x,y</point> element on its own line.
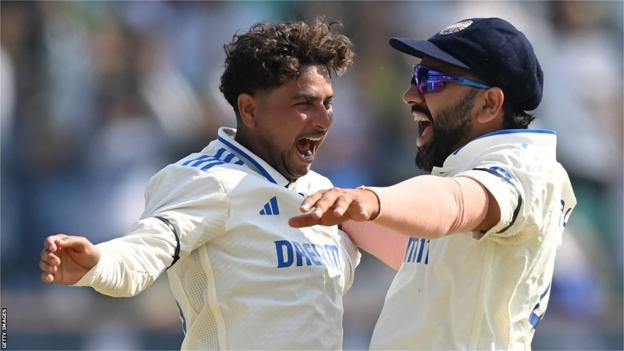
<point>270,208</point>
<point>417,251</point>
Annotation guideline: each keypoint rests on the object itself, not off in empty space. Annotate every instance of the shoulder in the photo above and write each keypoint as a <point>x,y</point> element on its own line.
<point>513,160</point>
<point>198,172</point>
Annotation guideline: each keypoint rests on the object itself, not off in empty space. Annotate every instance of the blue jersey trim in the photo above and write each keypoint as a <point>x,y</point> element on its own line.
<point>534,318</point>
<point>517,131</point>
<point>510,131</point>
<point>228,158</point>
<point>202,157</point>
<point>250,159</point>
<point>210,165</point>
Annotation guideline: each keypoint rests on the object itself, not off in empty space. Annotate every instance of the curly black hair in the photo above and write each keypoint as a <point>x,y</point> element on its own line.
<point>270,54</point>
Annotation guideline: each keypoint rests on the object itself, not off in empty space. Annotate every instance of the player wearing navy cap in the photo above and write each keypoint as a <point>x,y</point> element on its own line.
<point>474,242</point>
<point>216,220</point>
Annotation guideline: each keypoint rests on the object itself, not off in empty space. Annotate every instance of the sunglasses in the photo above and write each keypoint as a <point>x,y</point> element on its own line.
<point>428,80</point>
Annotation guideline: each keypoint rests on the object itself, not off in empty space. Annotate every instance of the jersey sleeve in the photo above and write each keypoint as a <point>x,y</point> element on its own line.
<point>505,179</point>
<point>192,203</point>
<point>130,264</point>
<point>184,209</point>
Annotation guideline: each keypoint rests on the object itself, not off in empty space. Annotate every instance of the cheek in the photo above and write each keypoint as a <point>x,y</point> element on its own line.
<point>434,106</point>
<point>287,128</point>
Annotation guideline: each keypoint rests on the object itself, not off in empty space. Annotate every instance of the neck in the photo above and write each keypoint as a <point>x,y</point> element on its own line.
<point>246,140</point>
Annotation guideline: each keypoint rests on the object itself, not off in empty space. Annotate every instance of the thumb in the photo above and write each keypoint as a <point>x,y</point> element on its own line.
<point>81,250</point>
<point>75,243</point>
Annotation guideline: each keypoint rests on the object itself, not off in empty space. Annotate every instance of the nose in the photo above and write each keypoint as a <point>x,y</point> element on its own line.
<point>323,117</point>
<point>412,96</point>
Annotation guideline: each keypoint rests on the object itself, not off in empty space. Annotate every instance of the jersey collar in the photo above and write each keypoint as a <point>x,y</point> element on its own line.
<point>543,141</point>
<point>226,138</point>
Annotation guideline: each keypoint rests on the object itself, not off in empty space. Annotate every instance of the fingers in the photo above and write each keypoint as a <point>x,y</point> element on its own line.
<point>49,262</point>
<point>311,200</point>
<point>327,202</point>
<point>358,211</point>
<point>56,242</point>
<point>76,243</point>
<point>50,258</point>
<point>309,219</point>
<point>51,243</point>
<point>49,271</point>
<point>306,220</point>
<point>326,207</point>
<point>47,278</point>
<point>47,268</point>
<point>340,206</point>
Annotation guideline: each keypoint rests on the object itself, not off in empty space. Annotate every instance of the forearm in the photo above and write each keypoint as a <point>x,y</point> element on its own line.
<point>431,206</point>
<point>381,242</point>
<point>130,264</point>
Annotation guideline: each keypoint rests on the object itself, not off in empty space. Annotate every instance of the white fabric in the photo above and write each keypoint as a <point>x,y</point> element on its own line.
<point>485,290</point>
<point>245,278</point>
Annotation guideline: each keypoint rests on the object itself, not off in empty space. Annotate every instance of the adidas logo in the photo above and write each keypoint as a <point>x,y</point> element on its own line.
<point>270,208</point>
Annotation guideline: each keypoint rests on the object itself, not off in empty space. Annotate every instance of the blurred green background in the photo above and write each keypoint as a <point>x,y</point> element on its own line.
<point>95,97</point>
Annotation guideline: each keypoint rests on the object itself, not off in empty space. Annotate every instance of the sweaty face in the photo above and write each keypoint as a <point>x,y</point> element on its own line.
<point>293,120</point>
<point>446,132</point>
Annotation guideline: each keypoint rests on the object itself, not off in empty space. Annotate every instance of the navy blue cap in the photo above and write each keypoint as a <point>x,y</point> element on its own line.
<point>493,49</point>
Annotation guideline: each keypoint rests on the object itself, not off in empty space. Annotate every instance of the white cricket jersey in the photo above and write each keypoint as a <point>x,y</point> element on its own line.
<point>245,279</point>
<point>475,291</point>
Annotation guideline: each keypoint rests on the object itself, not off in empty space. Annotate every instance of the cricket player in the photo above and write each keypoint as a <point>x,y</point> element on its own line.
<point>474,242</point>
<point>217,220</point>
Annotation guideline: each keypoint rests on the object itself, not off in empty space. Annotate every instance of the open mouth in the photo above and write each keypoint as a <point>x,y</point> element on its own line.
<point>307,146</point>
<point>425,128</point>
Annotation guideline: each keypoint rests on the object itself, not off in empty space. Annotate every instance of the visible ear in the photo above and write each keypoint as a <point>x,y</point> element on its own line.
<point>247,110</point>
<point>492,106</point>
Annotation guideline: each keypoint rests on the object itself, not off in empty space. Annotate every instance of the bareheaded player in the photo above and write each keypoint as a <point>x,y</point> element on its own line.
<point>474,242</point>
<point>217,220</point>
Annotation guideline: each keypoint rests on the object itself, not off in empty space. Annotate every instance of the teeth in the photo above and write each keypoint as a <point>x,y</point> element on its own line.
<point>420,117</point>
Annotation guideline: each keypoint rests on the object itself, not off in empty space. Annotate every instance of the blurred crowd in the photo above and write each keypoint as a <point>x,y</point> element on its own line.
<point>95,97</point>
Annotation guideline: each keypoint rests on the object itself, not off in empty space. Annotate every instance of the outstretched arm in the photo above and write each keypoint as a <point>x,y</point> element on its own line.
<point>424,206</point>
<point>381,242</point>
<point>120,267</point>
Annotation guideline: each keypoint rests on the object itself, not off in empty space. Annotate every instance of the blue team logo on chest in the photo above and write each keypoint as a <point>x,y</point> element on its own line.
<point>293,253</point>
<point>417,251</point>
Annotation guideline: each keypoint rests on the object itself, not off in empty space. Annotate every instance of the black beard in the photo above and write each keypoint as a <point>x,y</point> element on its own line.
<point>451,126</point>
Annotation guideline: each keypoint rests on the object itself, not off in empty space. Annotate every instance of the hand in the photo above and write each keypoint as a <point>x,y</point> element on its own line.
<point>336,206</point>
<point>65,259</point>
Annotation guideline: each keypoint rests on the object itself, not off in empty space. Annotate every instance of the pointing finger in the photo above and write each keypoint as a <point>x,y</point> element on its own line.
<point>305,220</point>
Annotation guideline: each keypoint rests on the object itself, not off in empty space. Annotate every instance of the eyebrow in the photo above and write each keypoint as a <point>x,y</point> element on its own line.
<point>309,97</point>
